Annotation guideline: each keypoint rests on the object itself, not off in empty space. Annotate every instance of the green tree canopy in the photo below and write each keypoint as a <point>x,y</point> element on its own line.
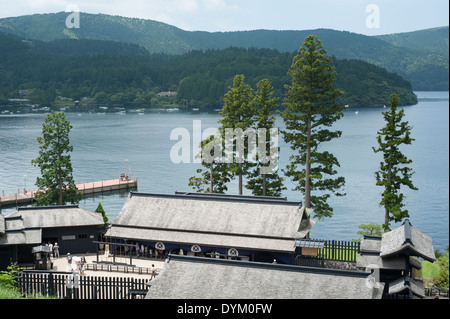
<point>56,185</point>
<point>214,175</point>
<point>100,210</point>
<point>394,171</point>
<point>238,114</point>
<point>311,108</point>
<point>258,181</point>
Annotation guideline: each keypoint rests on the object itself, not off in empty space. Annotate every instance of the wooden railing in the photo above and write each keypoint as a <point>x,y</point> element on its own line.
<point>69,286</point>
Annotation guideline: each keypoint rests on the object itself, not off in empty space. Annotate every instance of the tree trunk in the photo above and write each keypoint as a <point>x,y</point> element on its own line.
<point>211,182</point>
<point>308,167</point>
<point>60,180</point>
<point>264,185</point>
<point>60,188</point>
<point>240,178</point>
<point>388,189</point>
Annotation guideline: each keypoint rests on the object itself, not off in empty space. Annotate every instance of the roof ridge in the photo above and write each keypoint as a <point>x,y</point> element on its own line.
<point>283,267</point>
<point>47,207</point>
<point>221,197</point>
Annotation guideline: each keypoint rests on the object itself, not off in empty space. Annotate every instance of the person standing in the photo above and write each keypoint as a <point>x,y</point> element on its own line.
<point>153,272</point>
<point>137,250</point>
<point>56,250</point>
<point>69,262</point>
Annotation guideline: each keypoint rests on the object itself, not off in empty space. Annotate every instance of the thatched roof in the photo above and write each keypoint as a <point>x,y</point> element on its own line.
<point>184,277</point>
<point>406,284</point>
<point>396,249</point>
<point>406,240</point>
<point>57,216</point>
<point>212,219</point>
<point>371,260</point>
<point>15,232</point>
<point>25,225</point>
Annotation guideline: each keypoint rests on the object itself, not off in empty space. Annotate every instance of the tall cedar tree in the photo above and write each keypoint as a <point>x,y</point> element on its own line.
<point>311,108</point>
<point>214,175</point>
<point>56,185</point>
<point>238,112</point>
<point>393,171</point>
<point>266,105</point>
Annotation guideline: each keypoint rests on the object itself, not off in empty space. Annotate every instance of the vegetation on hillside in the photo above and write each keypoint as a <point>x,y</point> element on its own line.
<point>128,76</point>
<point>421,57</point>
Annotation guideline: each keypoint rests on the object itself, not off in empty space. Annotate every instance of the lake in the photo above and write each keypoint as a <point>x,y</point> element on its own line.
<point>107,144</point>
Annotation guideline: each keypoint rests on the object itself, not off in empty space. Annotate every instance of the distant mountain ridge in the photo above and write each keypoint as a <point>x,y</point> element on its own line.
<point>114,73</point>
<point>420,57</point>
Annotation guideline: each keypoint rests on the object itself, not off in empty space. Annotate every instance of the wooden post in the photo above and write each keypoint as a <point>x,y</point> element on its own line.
<point>131,256</point>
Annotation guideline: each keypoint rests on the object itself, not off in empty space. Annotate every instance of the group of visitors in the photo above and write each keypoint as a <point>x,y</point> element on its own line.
<point>54,252</point>
<point>145,251</point>
<point>54,249</point>
<point>76,264</point>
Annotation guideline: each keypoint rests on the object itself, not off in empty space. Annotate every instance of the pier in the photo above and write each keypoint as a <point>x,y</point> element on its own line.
<point>83,188</point>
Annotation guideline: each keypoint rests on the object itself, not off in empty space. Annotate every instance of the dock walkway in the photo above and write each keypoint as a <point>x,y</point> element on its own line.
<point>84,189</point>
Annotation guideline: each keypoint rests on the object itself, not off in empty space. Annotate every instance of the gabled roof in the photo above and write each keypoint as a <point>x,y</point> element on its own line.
<point>25,225</point>
<point>184,277</point>
<point>56,216</point>
<point>407,284</point>
<point>406,240</point>
<point>15,232</point>
<point>369,260</point>
<point>397,249</point>
<point>212,219</point>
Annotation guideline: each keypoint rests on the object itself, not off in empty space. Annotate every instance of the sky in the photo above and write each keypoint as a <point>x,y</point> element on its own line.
<point>369,17</point>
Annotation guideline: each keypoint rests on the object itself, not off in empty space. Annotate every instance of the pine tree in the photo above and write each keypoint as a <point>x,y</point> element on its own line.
<point>56,185</point>
<point>311,108</point>
<point>100,210</point>
<point>394,171</point>
<point>237,113</point>
<point>214,175</point>
<point>259,182</point>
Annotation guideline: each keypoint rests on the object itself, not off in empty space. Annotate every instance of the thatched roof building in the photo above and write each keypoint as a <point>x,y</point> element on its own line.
<point>212,221</point>
<point>54,216</point>
<point>396,255</point>
<point>72,227</point>
<point>184,277</point>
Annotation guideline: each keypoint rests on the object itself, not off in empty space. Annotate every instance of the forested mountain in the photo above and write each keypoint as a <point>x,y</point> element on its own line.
<point>420,57</point>
<point>433,40</point>
<point>108,72</point>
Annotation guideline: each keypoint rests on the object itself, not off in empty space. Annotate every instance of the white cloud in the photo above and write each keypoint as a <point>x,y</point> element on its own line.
<point>214,5</point>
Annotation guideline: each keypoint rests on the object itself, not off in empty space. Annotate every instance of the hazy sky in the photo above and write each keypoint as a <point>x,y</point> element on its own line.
<point>361,16</point>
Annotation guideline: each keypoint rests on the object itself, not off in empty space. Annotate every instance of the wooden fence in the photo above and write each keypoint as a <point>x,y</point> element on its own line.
<point>119,268</point>
<point>335,250</point>
<point>340,250</point>
<point>68,286</point>
<point>435,291</point>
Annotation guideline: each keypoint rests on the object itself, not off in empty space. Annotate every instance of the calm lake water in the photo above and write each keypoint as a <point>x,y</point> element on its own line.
<point>104,142</point>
